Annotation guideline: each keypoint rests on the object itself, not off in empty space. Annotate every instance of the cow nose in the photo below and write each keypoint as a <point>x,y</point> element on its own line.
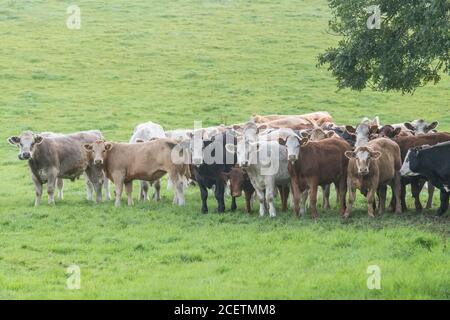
<point>98,161</point>
<point>292,157</point>
<point>197,161</point>
<point>364,171</point>
<point>24,156</point>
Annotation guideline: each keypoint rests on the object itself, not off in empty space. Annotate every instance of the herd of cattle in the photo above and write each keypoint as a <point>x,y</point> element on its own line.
<point>266,156</point>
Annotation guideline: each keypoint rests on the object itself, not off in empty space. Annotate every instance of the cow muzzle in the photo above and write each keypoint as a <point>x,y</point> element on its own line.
<point>98,162</point>
<point>363,171</point>
<point>292,158</point>
<point>197,161</point>
<point>24,156</point>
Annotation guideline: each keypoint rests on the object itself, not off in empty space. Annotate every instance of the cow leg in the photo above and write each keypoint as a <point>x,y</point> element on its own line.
<point>143,195</point>
<point>284,198</point>
<point>444,202</point>
<point>430,195</point>
<point>52,176</point>
<point>396,192</point>
<point>341,191</point>
<point>326,196</point>
<point>382,190</point>
<point>89,189</point>
<point>219,193</point>
<point>38,189</point>
<point>129,190</point>
<point>295,190</point>
<point>351,198</point>
<point>157,190</point>
<point>204,195</point>
<point>370,200</point>
<point>403,197</point>
<point>270,195</point>
<point>118,182</point>
<point>60,185</point>
<point>313,198</point>
<point>261,198</point>
<point>233,204</point>
<point>416,187</point>
<point>304,199</point>
<point>106,187</point>
<point>248,199</point>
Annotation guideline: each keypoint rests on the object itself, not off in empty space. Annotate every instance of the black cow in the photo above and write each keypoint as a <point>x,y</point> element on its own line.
<point>431,162</point>
<point>208,170</point>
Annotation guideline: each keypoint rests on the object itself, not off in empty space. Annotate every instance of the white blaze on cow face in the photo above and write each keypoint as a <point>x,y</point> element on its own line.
<point>26,143</point>
<point>405,170</point>
<point>293,148</point>
<point>363,157</point>
<point>100,150</point>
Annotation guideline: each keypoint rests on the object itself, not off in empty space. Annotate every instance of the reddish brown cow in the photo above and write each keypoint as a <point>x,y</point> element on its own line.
<point>239,181</point>
<point>314,163</point>
<point>417,182</point>
<point>371,168</point>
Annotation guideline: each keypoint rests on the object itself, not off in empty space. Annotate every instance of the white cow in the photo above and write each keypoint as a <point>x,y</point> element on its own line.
<point>266,164</point>
<point>142,133</point>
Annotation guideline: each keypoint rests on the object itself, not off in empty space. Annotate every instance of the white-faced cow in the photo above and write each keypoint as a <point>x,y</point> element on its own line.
<point>431,162</point>
<point>315,163</point>
<point>371,168</point>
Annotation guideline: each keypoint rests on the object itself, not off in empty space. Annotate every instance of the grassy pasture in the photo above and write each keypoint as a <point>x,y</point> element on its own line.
<point>174,62</point>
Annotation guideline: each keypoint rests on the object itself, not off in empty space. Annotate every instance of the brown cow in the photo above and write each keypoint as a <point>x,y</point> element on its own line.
<point>417,182</point>
<point>148,161</point>
<point>239,181</point>
<point>371,168</point>
<point>314,163</point>
<point>318,117</point>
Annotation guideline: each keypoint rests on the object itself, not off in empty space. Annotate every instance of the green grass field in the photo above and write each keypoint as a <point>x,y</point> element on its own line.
<point>174,62</point>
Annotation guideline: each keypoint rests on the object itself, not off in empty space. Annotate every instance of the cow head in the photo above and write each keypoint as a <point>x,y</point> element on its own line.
<point>99,150</point>
<point>245,150</point>
<point>388,131</point>
<point>317,134</point>
<point>27,143</point>
<point>237,178</point>
<point>410,166</point>
<point>420,126</point>
<point>363,157</point>
<point>293,143</point>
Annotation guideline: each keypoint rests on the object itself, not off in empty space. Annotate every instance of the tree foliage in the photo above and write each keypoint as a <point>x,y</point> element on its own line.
<point>410,49</point>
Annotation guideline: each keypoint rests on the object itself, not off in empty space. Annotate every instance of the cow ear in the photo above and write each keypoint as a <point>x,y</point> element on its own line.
<point>282,141</point>
<point>38,139</point>
<point>304,141</point>
<point>375,155</point>
<point>409,126</point>
<point>108,146</point>
<point>397,132</point>
<point>88,146</point>
<point>329,134</point>
<point>14,140</point>
<point>433,125</point>
<point>304,134</point>
<point>231,148</point>
<point>374,129</point>
<point>350,129</point>
<point>350,154</point>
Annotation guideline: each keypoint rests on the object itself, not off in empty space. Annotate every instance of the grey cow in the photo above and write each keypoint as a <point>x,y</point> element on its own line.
<point>57,156</point>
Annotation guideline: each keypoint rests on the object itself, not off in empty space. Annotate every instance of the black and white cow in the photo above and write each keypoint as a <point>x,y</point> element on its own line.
<point>433,163</point>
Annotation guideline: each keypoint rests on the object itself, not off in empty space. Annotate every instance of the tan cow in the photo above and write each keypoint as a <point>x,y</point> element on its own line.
<point>148,161</point>
<point>318,117</point>
<point>371,169</point>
